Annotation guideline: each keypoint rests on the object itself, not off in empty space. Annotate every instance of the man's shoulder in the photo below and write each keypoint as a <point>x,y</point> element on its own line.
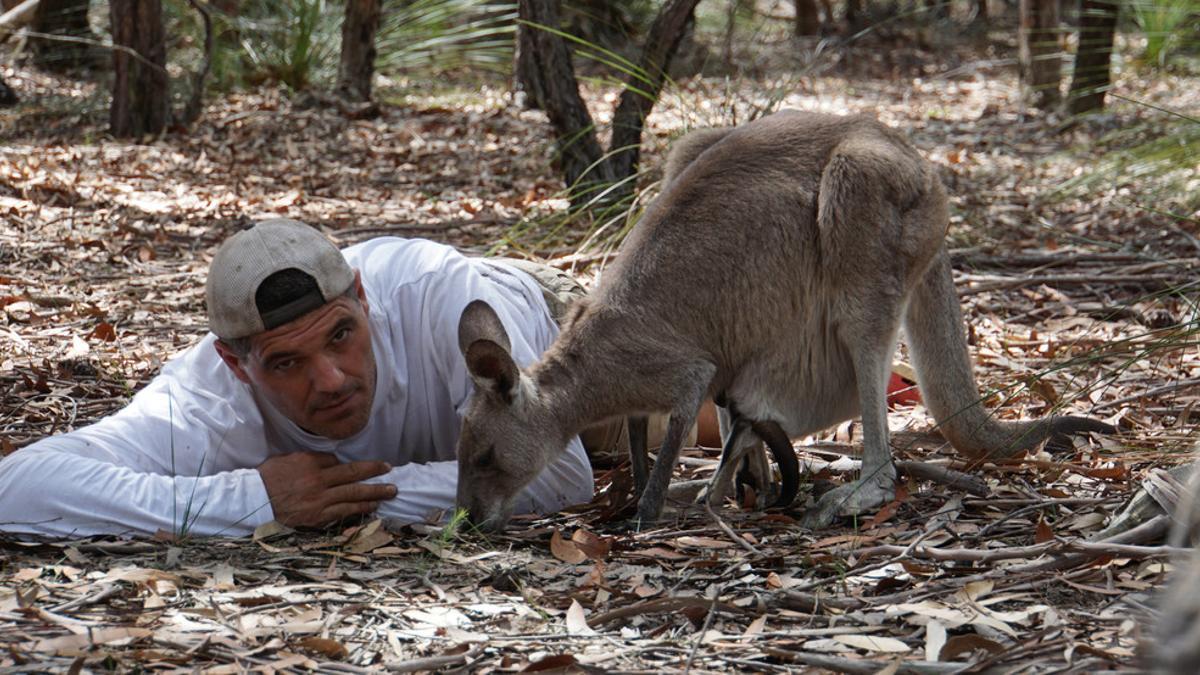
<point>397,262</point>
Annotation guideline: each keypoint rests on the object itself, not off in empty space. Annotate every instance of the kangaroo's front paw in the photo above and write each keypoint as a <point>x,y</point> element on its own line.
<point>854,499</point>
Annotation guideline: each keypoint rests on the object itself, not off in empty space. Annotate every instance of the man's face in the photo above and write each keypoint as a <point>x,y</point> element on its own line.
<point>318,370</point>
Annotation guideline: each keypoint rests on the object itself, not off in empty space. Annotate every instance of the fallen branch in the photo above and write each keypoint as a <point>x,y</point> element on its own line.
<point>864,666</point>
<point>17,18</point>
<point>432,662</point>
<point>663,606</point>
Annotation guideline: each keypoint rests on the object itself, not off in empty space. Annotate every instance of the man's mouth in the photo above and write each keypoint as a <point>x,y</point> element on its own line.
<point>338,403</point>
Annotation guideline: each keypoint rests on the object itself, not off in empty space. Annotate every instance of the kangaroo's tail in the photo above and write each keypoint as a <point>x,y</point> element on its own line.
<point>934,327</point>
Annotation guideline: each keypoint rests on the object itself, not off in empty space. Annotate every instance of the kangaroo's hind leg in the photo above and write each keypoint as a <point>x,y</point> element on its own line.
<point>870,337</point>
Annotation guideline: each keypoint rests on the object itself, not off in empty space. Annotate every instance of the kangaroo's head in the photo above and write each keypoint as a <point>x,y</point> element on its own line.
<point>506,439</point>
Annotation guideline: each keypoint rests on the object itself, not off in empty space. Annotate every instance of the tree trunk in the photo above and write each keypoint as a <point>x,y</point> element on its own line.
<point>141,103</point>
<point>557,93</point>
<point>358,49</point>
<point>1040,57</point>
<point>807,20</point>
<point>855,14</point>
<point>527,76</point>
<point>640,94</point>
<point>588,172</point>
<point>68,18</point>
<point>1092,74</point>
<point>981,10</point>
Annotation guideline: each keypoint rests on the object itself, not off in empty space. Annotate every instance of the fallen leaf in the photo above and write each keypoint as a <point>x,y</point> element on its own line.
<point>576,621</point>
<point>565,549</point>
<point>874,643</point>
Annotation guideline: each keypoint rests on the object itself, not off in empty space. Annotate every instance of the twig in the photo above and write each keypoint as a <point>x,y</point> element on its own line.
<point>729,531</point>
<point>865,667</point>
<point>1157,391</point>
<point>105,592</point>
<point>660,606</point>
<point>993,284</point>
<point>432,662</point>
<point>945,476</point>
<point>708,619</point>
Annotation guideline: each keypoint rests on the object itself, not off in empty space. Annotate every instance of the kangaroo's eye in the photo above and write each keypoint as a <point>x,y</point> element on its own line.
<point>487,459</point>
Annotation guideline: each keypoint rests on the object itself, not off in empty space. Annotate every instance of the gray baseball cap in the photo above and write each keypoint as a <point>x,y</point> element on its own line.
<point>250,256</point>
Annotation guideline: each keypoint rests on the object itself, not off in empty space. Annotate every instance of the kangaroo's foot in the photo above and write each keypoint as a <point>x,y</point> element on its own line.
<point>853,499</point>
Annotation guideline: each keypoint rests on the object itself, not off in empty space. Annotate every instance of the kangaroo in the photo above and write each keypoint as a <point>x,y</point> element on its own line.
<point>773,273</point>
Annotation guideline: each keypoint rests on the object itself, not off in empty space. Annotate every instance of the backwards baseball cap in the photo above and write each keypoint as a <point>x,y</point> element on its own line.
<point>316,271</point>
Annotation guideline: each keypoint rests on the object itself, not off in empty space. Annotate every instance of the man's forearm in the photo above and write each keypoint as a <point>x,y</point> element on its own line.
<point>53,493</point>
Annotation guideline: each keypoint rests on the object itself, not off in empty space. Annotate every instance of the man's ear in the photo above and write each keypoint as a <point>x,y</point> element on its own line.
<point>232,360</point>
<point>485,346</point>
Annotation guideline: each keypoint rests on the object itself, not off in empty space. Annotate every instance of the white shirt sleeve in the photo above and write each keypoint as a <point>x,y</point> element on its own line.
<point>177,458</point>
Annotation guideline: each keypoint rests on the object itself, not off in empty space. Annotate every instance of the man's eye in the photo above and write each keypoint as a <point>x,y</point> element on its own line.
<point>283,366</point>
<point>341,334</point>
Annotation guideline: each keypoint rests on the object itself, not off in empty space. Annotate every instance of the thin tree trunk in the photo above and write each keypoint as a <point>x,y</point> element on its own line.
<point>640,95</point>
<point>854,13</point>
<point>1092,74</point>
<point>68,18</point>
<point>808,22</point>
<point>140,103</point>
<point>579,153</point>
<point>527,76</point>
<point>358,49</point>
<point>1040,56</point>
<point>586,169</point>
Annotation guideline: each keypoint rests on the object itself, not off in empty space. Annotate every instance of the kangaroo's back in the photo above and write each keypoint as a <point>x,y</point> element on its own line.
<point>752,243</point>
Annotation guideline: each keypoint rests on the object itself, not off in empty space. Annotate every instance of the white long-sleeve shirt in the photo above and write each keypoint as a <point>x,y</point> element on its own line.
<point>182,456</point>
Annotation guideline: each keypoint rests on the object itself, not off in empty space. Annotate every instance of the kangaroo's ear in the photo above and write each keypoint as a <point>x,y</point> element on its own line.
<point>480,322</point>
<point>485,346</point>
<point>492,368</point>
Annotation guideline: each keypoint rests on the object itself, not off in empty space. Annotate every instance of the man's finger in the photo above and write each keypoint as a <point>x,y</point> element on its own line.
<point>358,492</point>
<point>353,472</point>
<point>336,512</point>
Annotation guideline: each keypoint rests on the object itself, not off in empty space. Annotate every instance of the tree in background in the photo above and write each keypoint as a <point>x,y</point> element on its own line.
<point>68,19</point>
<point>808,21</point>
<point>590,173</point>
<point>1092,74</point>
<point>1040,57</point>
<point>140,102</point>
<point>357,64</point>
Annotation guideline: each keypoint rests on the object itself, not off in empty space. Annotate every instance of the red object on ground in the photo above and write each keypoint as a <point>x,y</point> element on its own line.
<point>901,392</point>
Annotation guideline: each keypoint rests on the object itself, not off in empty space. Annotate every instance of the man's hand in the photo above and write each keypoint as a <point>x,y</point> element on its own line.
<point>313,489</point>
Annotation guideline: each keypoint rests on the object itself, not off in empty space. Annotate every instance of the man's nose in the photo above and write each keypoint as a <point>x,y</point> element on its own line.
<point>327,374</point>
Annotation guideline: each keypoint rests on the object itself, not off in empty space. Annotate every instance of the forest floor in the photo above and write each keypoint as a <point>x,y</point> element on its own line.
<point>1076,301</point>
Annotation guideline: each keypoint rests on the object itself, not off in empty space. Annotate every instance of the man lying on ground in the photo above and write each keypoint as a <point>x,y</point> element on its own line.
<point>330,386</point>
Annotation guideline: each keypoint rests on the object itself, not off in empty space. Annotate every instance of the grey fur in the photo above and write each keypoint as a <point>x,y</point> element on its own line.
<point>774,270</point>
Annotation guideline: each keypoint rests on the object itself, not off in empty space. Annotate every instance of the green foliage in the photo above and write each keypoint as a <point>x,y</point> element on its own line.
<point>425,38</point>
<point>1167,25</point>
<point>294,42</point>
<point>1161,164</point>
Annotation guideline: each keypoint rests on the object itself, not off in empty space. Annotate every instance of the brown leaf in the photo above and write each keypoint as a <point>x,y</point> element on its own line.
<point>103,332</point>
<point>556,662</point>
<point>565,549</point>
<point>593,545</point>
<point>1043,533</point>
<point>324,646</point>
<point>965,644</point>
